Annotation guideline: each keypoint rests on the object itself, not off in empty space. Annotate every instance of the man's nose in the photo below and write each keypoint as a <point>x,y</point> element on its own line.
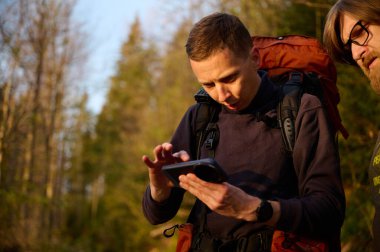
<point>223,92</point>
<point>358,51</point>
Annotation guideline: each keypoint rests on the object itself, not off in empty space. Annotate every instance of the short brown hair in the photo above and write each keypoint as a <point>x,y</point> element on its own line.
<point>216,32</point>
<point>368,10</point>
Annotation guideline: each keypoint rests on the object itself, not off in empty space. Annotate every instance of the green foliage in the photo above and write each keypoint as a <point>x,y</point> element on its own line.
<point>174,81</point>
<point>356,231</point>
<point>359,107</point>
<point>292,25</point>
<point>98,207</point>
<point>144,105</point>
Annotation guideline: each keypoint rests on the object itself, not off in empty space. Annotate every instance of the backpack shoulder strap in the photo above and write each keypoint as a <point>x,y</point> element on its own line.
<point>206,132</point>
<point>287,108</point>
<point>206,129</point>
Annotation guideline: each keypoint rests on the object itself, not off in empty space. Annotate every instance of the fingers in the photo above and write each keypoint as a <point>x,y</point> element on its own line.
<point>163,156</point>
<point>167,149</point>
<point>147,161</point>
<point>163,152</point>
<point>207,192</point>
<point>157,152</point>
<point>223,198</point>
<point>181,156</point>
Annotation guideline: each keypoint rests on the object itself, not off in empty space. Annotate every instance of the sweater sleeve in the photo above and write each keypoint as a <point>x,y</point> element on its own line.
<point>320,208</point>
<point>160,212</point>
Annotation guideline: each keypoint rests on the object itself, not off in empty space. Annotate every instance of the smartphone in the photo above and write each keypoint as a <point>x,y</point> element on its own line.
<point>206,169</point>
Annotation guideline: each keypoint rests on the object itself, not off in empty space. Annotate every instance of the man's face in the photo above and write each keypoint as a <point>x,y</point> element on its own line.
<point>230,80</point>
<point>367,56</point>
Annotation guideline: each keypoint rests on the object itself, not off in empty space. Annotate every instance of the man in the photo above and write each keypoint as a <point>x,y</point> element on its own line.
<point>352,35</point>
<point>266,188</point>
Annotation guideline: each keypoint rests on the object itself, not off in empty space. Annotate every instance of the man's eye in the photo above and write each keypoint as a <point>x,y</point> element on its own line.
<point>356,33</point>
<point>229,79</point>
<point>208,85</point>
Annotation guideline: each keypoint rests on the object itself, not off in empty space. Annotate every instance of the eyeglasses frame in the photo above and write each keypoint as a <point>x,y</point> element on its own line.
<point>351,41</point>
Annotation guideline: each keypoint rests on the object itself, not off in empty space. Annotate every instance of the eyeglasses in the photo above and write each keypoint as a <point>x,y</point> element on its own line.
<point>359,36</point>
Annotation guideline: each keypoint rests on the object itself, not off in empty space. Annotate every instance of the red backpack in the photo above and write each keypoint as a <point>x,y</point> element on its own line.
<point>283,55</point>
<point>300,65</point>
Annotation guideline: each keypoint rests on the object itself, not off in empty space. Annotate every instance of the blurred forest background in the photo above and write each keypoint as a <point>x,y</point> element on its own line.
<point>71,180</point>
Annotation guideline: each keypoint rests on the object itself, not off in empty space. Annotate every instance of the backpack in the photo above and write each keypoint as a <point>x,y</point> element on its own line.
<point>299,64</point>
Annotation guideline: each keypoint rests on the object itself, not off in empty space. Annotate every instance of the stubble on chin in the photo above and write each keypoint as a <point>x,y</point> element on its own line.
<point>373,74</point>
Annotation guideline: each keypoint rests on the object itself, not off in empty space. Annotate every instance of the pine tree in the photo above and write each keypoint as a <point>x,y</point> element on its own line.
<point>118,142</point>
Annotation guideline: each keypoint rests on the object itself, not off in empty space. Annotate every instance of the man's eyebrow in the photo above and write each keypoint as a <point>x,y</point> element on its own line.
<point>221,79</point>
<point>206,83</point>
<point>229,76</point>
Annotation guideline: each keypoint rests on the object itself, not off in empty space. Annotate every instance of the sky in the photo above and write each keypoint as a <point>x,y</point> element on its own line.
<point>107,24</point>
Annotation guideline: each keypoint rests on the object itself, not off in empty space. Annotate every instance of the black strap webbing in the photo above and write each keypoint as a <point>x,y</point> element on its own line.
<point>287,109</point>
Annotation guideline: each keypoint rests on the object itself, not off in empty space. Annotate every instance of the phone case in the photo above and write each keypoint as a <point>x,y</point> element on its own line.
<point>206,169</point>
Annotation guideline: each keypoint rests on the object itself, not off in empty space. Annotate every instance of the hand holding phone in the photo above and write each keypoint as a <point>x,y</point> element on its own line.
<point>206,169</point>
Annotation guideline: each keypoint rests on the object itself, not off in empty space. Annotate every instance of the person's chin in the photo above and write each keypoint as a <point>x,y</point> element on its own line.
<point>372,70</point>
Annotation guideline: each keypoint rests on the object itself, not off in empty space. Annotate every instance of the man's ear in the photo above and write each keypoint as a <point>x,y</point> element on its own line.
<point>255,56</point>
